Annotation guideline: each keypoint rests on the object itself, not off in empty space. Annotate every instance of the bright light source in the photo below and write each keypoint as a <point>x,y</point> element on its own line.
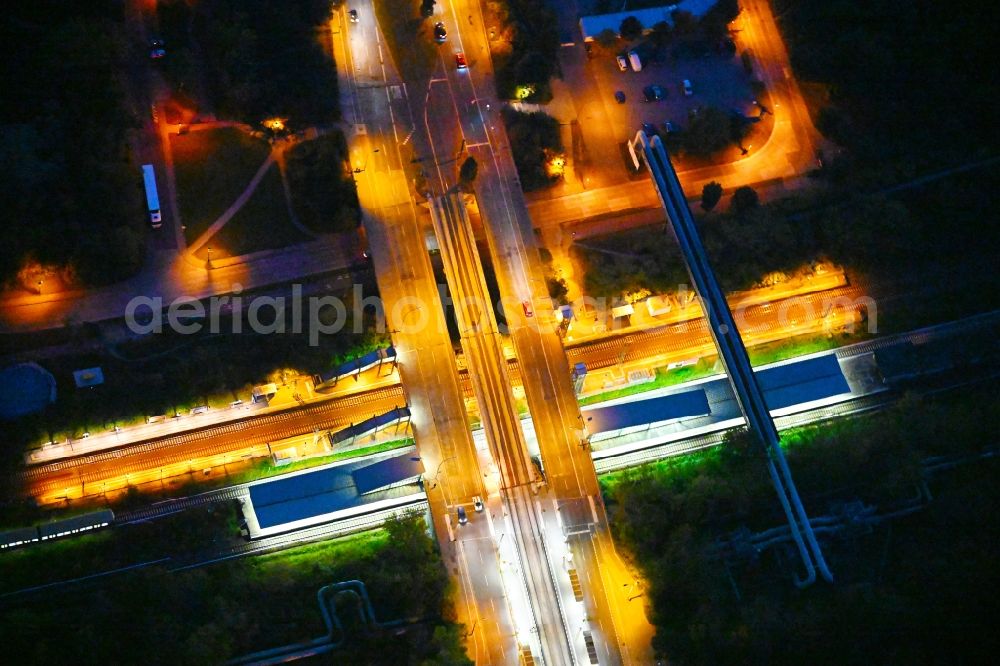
<point>275,124</point>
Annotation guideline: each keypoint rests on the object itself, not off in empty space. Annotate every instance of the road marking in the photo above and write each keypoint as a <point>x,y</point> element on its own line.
<point>593,509</point>
<point>489,522</point>
<point>447,523</point>
<point>555,508</point>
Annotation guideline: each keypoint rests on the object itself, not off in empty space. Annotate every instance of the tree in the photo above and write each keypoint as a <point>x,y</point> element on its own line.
<point>323,197</point>
<point>470,168</point>
<point>684,22</point>
<point>532,136</point>
<point>631,28</point>
<point>710,195</point>
<point>744,199</point>
<point>710,130</point>
<point>607,38</point>
<point>661,33</point>
<point>557,288</point>
<point>427,7</point>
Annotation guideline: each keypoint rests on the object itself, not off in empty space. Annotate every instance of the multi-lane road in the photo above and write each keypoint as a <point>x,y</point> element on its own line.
<point>398,242</point>
<point>537,568</point>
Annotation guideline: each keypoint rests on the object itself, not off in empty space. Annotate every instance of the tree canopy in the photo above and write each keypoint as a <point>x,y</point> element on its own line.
<point>72,197</point>
<point>534,139</point>
<point>631,28</point>
<point>533,58</point>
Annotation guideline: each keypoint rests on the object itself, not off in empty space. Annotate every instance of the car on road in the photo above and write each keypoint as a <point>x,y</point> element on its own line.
<point>460,61</point>
<point>477,504</point>
<point>620,96</point>
<point>622,62</point>
<point>654,93</point>
<point>688,90</point>
<point>463,518</point>
<point>526,306</point>
<point>157,49</point>
<point>440,34</point>
<point>353,15</point>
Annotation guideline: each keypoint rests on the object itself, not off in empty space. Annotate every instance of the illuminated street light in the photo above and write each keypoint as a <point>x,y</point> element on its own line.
<point>364,166</point>
<point>275,124</point>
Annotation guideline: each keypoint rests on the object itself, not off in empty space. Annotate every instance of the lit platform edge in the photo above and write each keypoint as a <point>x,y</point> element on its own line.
<point>350,489</point>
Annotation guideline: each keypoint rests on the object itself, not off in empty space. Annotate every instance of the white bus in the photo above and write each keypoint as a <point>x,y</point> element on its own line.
<point>152,198</point>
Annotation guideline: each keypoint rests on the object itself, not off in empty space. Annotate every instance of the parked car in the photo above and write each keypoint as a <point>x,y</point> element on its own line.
<point>688,90</point>
<point>440,34</point>
<point>460,61</point>
<point>353,15</point>
<point>669,127</point>
<point>622,63</point>
<point>654,93</point>
<point>635,61</point>
<point>649,129</point>
<point>463,518</point>
<point>477,504</point>
<point>620,96</point>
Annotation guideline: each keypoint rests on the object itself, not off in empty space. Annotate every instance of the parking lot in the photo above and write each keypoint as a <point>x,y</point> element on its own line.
<point>587,93</point>
<point>716,80</point>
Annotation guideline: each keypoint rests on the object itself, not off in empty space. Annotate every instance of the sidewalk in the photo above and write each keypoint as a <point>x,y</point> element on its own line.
<point>298,393</point>
<point>169,274</point>
<point>664,311</point>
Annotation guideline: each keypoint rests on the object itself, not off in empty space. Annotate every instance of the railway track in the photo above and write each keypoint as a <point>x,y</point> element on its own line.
<point>171,506</point>
<point>249,438</point>
<point>257,430</point>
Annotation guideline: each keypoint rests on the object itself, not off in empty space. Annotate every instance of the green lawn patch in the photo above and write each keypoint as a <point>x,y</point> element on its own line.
<point>261,224</point>
<point>266,468</point>
<point>773,352</point>
<point>324,196</point>
<point>664,377</point>
<point>212,169</point>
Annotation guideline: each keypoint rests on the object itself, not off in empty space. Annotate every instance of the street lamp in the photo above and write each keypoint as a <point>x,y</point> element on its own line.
<point>364,166</point>
<point>434,476</point>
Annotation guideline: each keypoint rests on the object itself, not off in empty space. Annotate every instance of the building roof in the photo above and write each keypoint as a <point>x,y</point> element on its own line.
<point>644,412</point>
<point>369,425</point>
<point>802,381</point>
<point>591,26</point>
<point>784,385</point>
<point>25,388</point>
<point>88,377</point>
<point>310,496</point>
<point>387,473</point>
<point>360,363</point>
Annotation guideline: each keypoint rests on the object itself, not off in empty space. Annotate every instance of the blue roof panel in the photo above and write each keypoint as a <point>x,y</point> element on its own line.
<point>300,496</point>
<point>804,381</point>
<point>387,472</point>
<point>654,410</point>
